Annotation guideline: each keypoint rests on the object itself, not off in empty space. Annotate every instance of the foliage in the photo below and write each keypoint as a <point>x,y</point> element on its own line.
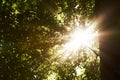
<point>30,29</point>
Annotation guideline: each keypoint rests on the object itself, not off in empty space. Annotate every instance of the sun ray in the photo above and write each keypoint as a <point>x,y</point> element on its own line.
<point>80,38</point>
<point>80,41</point>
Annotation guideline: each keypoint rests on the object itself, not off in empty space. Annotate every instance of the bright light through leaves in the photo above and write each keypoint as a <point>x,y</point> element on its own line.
<point>80,40</point>
<point>79,46</point>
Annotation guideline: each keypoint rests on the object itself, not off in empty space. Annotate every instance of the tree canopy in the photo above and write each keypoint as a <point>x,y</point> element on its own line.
<point>31,32</point>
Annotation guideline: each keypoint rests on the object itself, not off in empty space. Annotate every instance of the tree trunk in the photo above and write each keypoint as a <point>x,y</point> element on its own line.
<point>109,39</point>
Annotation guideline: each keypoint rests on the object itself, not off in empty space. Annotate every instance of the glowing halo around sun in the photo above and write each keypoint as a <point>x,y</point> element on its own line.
<point>80,38</point>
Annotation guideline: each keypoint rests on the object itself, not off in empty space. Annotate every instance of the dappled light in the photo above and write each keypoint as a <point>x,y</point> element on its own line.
<point>79,70</point>
<point>49,40</point>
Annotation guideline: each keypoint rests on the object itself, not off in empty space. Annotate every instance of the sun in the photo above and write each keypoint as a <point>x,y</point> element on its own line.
<point>81,37</point>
